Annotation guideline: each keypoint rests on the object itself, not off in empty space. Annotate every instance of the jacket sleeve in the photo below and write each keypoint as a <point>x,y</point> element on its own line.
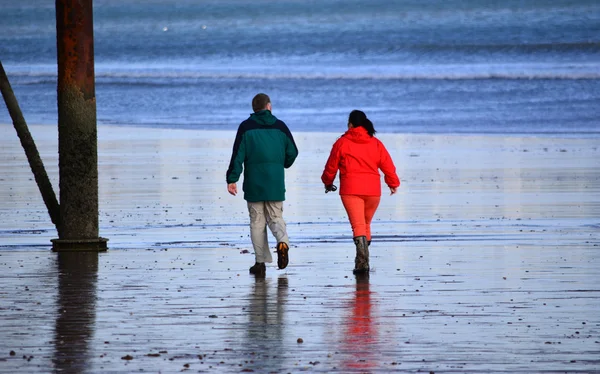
<point>387,166</point>
<point>332,165</point>
<point>238,155</point>
<point>291,151</point>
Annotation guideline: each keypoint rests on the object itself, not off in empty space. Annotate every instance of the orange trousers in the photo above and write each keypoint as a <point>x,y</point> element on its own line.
<point>360,211</point>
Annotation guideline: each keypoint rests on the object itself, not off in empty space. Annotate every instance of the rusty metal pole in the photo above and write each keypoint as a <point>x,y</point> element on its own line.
<point>33,156</point>
<point>77,133</point>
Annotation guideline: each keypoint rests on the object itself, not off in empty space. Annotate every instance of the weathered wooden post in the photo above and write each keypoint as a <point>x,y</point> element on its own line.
<point>77,133</point>
<point>31,151</point>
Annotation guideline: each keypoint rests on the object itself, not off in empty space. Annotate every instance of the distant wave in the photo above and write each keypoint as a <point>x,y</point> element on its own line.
<point>591,47</point>
<point>166,77</point>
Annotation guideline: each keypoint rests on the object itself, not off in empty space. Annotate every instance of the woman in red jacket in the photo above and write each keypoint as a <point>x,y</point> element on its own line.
<point>358,155</point>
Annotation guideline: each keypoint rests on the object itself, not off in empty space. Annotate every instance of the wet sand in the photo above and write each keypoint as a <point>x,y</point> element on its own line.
<point>487,260</point>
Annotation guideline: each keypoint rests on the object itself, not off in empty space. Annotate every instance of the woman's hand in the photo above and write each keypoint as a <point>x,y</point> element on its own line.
<point>393,190</point>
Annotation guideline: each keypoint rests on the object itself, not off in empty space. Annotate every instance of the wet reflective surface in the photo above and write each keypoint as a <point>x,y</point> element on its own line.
<point>444,307</point>
<point>486,261</point>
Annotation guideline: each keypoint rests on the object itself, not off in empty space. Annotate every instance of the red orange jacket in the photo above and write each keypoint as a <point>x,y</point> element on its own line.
<point>359,157</point>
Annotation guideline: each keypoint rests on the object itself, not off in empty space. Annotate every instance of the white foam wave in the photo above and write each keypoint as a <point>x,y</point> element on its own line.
<point>355,76</point>
<point>160,74</point>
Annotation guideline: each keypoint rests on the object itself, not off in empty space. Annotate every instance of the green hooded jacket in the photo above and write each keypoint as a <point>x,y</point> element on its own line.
<point>263,148</point>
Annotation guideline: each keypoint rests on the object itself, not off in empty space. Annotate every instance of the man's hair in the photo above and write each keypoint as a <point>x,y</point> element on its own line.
<point>260,102</point>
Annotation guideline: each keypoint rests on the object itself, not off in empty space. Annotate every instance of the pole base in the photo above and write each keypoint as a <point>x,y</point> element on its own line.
<point>79,245</point>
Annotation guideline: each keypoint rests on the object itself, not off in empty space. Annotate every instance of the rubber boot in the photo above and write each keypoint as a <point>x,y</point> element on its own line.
<point>361,262</point>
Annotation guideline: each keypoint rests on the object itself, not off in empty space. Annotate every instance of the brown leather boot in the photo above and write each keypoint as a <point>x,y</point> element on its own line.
<point>259,269</point>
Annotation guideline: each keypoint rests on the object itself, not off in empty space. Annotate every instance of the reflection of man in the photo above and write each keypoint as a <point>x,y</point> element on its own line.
<point>266,321</point>
<point>263,148</point>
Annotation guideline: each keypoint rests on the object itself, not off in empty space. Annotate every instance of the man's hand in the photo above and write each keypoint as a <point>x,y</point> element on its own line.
<point>393,190</point>
<point>232,188</point>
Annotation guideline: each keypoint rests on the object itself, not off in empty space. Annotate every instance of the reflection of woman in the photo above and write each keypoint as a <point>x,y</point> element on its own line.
<point>359,156</point>
<point>361,333</point>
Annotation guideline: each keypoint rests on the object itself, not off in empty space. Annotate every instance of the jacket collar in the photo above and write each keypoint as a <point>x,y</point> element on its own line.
<point>358,135</point>
<point>263,117</point>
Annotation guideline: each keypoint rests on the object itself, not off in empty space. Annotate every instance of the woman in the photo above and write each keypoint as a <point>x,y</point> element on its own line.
<point>358,155</point>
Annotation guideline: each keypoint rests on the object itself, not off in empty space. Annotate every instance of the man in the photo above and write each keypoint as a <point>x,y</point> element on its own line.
<point>263,148</point>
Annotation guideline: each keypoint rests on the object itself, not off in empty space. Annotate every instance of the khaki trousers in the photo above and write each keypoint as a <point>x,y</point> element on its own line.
<point>263,214</point>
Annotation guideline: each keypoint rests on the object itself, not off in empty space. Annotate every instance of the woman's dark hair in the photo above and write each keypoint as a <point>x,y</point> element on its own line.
<point>359,119</point>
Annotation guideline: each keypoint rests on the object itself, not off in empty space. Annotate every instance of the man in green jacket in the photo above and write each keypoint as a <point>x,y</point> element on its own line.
<point>263,148</point>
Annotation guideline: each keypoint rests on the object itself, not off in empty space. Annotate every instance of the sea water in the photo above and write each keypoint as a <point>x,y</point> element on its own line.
<point>414,66</point>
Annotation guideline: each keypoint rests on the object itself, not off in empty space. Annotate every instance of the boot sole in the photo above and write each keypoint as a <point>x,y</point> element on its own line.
<point>282,255</point>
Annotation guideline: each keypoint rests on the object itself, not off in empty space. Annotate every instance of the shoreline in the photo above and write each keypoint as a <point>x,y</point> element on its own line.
<point>542,135</point>
<point>162,181</point>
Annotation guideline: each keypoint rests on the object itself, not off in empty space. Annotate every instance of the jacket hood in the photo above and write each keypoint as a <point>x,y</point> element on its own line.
<point>358,135</point>
<point>263,117</point>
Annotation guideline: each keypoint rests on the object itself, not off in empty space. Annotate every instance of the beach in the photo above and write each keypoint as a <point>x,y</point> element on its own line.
<point>155,182</point>
<point>487,260</point>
